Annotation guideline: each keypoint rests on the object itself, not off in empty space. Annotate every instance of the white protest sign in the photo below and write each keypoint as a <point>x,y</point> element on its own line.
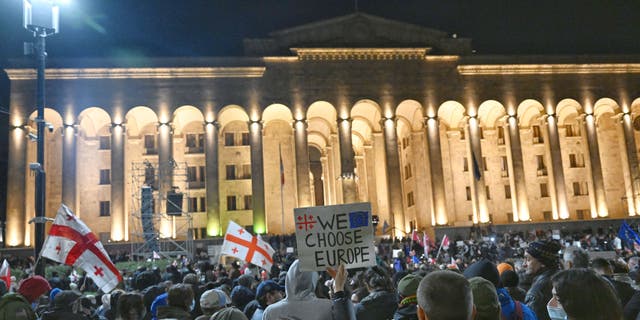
<point>330,235</point>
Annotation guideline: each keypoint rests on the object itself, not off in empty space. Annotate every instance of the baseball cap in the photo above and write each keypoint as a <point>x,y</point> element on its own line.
<point>214,299</point>
<point>266,287</point>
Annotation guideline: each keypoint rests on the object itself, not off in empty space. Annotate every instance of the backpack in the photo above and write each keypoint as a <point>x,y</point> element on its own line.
<point>516,314</point>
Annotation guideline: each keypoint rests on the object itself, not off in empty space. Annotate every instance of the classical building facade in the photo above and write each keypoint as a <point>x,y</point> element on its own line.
<point>356,108</point>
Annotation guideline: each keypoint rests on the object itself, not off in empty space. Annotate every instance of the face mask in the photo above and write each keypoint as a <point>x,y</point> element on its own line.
<point>556,313</point>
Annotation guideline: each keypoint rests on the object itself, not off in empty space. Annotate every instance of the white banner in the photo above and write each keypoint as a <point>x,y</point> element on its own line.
<point>330,235</point>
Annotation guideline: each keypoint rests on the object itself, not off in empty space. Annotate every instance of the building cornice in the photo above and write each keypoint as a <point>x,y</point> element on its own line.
<point>360,53</point>
<point>139,73</point>
<point>538,69</point>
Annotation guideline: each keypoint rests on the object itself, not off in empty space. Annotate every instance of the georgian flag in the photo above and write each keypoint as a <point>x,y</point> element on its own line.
<point>5,273</point>
<point>71,242</point>
<point>241,244</point>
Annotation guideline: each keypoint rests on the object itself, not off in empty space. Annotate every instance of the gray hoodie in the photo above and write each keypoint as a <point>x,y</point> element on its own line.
<point>301,302</point>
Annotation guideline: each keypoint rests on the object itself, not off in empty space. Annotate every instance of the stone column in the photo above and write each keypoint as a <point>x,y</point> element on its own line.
<point>517,181</point>
<point>394,181</point>
<point>302,163</point>
<point>476,166</point>
<point>16,186</point>
<point>165,174</point>
<point>69,181</point>
<point>556,168</point>
<point>436,172</point>
<point>632,174</point>
<point>212,179</point>
<point>347,164</point>
<point>118,219</point>
<point>598,194</point>
<point>257,177</point>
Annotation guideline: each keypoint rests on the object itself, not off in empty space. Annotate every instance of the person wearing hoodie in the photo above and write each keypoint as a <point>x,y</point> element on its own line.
<point>63,307</point>
<point>381,303</point>
<point>301,302</point>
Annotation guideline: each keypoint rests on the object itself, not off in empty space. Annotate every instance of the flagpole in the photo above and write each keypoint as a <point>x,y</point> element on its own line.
<point>281,187</point>
<point>438,254</point>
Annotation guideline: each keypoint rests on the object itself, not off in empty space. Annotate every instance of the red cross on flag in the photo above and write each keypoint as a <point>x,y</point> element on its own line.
<point>71,242</point>
<point>243,245</point>
<point>5,273</point>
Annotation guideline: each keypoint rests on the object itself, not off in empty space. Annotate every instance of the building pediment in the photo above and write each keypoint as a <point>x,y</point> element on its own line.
<point>358,30</point>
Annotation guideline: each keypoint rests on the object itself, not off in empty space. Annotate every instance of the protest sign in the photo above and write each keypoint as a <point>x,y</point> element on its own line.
<point>330,235</point>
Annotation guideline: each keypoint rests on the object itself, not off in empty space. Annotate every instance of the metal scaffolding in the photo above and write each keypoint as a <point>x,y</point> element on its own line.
<point>160,220</point>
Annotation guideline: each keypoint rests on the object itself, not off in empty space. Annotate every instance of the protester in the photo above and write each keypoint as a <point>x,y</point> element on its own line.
<point>301,299</point>
<point>229,313</point>
<point>485,299</point>
<point>407,307</point>
<point>381,302</point>
<point>623,290</point>
<point>444,295</point>
<point>574,257</point>
<point>211,301</point>
<point>18,305</point>
<point>541,263</point>
<point>268,293</point>
<point>243,292</point>
<point>179,303</point>
<point>130,307</point>
<point>580,294</point>
<point>64,307</point>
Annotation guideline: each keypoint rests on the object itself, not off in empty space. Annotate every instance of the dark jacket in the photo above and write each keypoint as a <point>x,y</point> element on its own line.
<point>378,305</point>
<point>171,312</point>
<point>632,308</point>
<point>15,307</point>
<point>406,312</point>
<point>540,293</point>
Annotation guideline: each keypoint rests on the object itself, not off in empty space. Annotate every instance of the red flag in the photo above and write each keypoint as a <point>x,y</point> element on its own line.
<point>281,166</point>
<point>241,244</point>
<point>5,273</point>
<point>414,236</point>
<point>71,242</point>
<point>426,244</point>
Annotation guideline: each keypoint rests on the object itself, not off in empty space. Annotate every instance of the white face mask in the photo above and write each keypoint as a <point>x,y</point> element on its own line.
<point>556,312</point>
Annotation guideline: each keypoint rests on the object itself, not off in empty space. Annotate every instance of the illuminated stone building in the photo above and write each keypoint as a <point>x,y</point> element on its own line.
<point>358,108</point>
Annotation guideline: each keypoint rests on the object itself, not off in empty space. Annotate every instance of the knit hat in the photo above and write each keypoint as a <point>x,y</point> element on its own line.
<point>33,287</point>
<point>502,267</point>
<point>214,299</point>
<point>229,313</point>
<point>267,286</point>
<point>408,286</point>
<point>485,269</point>
<point>509,278</point>
<point>485,298</point>
<point>545,251</point>
<point>53,293</point>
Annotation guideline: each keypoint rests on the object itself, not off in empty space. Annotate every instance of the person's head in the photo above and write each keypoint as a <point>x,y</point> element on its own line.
<point>504,266</point>
<point>541,255</point>
<point>268,293</point>
<point>445,295</point>
<point>376,278</point>
<point>229,313</point>
<point>181,296</point>
<point>65,300</point>
<point>634,263</point>
<point>407,288</point>
<point>130,306</point>
<point>484,269</point>
<point>485,299</point>
<point>509,279</point>
<point>599,302</point>
<point>601,266</point>
<point>574,257</point>
<point>213,300</point>
<point>33,287</point>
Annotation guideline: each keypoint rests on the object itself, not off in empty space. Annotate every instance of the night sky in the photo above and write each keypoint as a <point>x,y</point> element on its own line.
<point>112,28</point>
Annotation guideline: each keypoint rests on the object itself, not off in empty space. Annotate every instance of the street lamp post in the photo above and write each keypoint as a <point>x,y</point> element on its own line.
<point>41,18</point>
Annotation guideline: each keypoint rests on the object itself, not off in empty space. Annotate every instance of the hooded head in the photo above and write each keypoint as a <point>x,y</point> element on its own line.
<point>300,285</point>
<point>484,269</point>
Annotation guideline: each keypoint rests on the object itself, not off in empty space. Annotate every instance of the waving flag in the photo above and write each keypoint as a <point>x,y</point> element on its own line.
<point>71,242</point>
<point>629,237</point>
<point>241,244</point>
<point>5,273</point>
<point>445,241</point>
<point>281,166</point>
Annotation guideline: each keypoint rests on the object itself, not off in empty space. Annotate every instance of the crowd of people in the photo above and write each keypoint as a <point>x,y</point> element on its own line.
<point>539,275</point>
